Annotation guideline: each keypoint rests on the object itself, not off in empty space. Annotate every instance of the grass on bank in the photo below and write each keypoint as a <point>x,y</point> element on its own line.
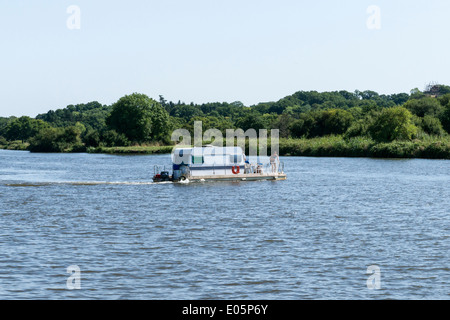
<point>132,150</point>
<point>331,146</point>
<point>428,147</point>
<point>337,146</point>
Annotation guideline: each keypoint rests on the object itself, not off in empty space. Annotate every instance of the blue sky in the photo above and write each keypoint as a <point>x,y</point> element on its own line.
<point>205,51</point>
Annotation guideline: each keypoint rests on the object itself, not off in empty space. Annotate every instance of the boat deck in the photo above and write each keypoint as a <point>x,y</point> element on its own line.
<point>241,177</point>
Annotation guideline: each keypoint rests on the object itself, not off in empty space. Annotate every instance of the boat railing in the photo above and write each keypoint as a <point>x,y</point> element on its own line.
<point>280,167</point>
<point>158,169</point>
<point>264,169</point>
<point>270,168</point>
<point>254,168</point>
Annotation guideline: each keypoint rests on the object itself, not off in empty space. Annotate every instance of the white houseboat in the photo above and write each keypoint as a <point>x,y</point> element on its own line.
<point>218,163</point>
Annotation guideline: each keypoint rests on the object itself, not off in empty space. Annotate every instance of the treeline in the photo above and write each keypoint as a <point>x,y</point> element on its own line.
<point>139,120</point>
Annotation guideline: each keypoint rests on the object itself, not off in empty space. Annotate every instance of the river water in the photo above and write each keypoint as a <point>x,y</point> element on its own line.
<point>313,236</point>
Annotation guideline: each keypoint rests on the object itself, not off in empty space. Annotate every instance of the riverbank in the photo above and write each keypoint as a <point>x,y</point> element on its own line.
<point>15,145</point>
<point>337,146</point>
<point>330,146</point>
<point>132,150</point>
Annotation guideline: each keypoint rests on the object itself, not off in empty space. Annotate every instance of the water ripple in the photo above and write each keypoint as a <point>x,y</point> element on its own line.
<point>312,236</point>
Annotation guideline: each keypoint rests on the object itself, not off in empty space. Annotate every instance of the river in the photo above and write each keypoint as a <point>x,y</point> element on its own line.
<point>313,236</point>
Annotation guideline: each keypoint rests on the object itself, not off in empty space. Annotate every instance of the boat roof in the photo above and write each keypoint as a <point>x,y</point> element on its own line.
<point>211,150</point>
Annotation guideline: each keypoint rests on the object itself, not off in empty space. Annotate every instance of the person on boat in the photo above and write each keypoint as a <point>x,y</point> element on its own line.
<point>274,160</point>
<point>247,164</point>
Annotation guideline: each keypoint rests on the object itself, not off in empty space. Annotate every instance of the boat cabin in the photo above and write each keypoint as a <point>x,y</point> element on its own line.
<point>208,161</point>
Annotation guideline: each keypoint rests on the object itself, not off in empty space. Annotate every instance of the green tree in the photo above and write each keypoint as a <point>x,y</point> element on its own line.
<point>393,124</point>
<point>210,122</point>
<point>24,128</point>
<point>283,123</point>
<point>306,125</point>
<point>3,124</point>
<point>298,128</point>
<point>337,121</point>
<point>444,100</point>
<point>253,120</point>
<point>432,126</point>
<point>91,138</point>
<point>47,140</point>
<point>186,112</point>
<point>399,98</point>
<point>424,107</point>
<point>445,118</point>
<point>357,129</point>
<point>417,94</point>
<point>58,139</point>
<point>139,118</point>
<point>111,138</point>
<point>321,123</point>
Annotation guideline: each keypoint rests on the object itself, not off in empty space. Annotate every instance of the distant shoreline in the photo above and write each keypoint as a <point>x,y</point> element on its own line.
<point>330,146</point>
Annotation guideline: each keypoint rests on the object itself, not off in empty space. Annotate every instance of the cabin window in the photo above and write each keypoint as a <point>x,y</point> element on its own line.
<point>235,158</point>
<point>198,160</point>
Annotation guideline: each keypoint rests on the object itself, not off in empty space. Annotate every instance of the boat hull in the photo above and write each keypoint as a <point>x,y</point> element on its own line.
<point>240,177</point>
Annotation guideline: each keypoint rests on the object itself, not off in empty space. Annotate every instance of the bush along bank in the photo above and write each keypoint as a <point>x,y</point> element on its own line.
<point>330,146</point>
<point>336,146</point>
<point>132,150</point>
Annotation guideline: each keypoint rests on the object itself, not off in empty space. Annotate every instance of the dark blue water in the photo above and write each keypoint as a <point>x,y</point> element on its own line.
<point>312,236</point>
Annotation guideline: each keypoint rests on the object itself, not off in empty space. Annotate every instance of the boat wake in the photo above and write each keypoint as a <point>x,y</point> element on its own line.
<point>82,183</point>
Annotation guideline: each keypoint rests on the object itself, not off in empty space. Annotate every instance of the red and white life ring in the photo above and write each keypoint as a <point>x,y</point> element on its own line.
<point>236,170</point>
